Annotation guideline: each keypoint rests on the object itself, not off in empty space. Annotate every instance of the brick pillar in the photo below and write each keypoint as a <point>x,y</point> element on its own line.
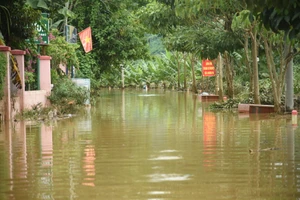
<point>19,55</point>
<point>45,73</point>
<point>6,98</point>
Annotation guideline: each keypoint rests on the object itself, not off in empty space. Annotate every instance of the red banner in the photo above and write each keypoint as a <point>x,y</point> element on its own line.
<point>86,39</point>
<point>208,68</point>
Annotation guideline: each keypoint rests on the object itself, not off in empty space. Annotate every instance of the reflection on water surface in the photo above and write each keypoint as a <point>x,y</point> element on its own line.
<point>151,145</point>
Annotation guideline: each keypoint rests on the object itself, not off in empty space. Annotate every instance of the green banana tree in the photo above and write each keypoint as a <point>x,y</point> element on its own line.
<point>67,14</point>
<point>162,69</point>
<point>142,72</point>
<point>167,69</point>
<point>133,74</point>
<point>111,78</point>
<point>148,69</point>
<point>38,4</point>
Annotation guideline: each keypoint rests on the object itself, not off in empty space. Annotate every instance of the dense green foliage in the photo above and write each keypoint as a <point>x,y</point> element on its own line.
<point>278,15</point>
<point>117,33</point>
<point>62,52</point>
<point>17,22</point>
<point>31,62</point>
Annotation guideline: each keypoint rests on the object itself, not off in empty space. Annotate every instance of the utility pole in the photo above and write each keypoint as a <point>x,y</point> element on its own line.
<point>289,78</point>
<point>123,82</point>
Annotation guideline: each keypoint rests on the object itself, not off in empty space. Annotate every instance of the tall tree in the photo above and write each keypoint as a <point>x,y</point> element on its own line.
<point>117,33</point>
<point>210,32</point>
<point>249,26</point>
<point>281,16</point>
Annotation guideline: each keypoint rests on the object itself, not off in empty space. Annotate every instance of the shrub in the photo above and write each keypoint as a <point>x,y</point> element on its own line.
<point>67,97</point>
<point>228,105</point>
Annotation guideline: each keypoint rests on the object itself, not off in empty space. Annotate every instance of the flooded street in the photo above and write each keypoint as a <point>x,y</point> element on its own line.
<point>148,145</point>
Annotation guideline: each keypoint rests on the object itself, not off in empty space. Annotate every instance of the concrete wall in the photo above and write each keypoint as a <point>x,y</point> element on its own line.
<point>35,97</point>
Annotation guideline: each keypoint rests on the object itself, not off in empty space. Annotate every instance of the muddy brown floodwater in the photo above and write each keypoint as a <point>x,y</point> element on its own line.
<point>147,145</point>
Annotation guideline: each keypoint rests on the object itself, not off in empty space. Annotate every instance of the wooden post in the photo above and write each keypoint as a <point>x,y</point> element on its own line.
<point>220,77</point>
<point>123,77</point>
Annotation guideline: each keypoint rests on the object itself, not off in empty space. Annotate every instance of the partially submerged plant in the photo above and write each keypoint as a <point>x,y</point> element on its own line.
<point>37,112</point>
<point>227,105</point>
<point>67,97</point>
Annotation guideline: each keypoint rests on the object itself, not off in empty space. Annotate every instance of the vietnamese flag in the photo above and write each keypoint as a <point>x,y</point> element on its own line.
<point>86,39</point>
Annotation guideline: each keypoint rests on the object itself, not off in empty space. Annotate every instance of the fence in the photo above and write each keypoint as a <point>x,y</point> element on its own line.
<point>16,99</point>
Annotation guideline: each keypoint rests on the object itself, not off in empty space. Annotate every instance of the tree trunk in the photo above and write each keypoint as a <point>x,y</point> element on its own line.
<point>220,76</point>
<point>229,75</point>
<point>123,77</point>
<point>247,62</point>
<point>184,72</point>
<point>255,67</point>
<point>194,88</point>
<point>178,69</point>
<point>277,75</point>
